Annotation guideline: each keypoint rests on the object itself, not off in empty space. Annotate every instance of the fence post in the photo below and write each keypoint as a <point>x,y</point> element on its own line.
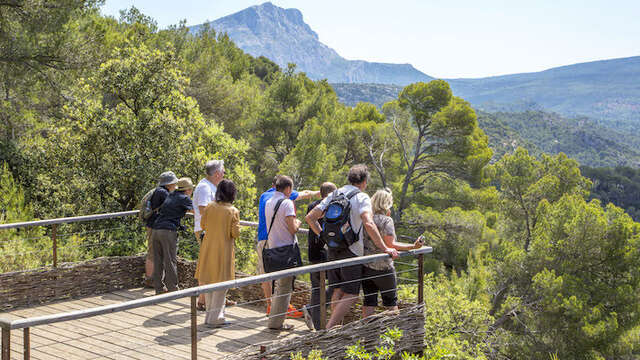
<point>420,279</point>
<point>6,344</point>
<point>27,344</point>
<point>194,328</point>
<point>323,300</point>
<point>54,244</point>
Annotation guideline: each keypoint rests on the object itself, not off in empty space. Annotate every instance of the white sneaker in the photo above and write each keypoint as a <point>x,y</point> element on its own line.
<point>307,318</point>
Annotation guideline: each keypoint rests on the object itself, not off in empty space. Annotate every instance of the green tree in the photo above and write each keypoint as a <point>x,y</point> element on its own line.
<point>127,124</point>
<point>575,290</point>
<point>24,248</point>
<point>524,181</point>
<point>443,138</point>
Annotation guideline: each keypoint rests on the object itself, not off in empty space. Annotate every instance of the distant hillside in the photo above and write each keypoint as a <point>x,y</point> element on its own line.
<point>282,36</point>
<point>539,131</point>
<point>377,94</point>
<point>607,90</point>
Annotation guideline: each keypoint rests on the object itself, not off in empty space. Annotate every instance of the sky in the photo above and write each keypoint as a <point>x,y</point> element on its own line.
<point>443,38</point>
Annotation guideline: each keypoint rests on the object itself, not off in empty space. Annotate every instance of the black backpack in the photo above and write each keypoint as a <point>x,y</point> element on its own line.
<point>337,231</point>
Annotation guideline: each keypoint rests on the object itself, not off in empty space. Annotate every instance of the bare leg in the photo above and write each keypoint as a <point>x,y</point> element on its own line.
<point>368,311</point>
<point>335,298</point>
<point>266,288</point>
<point>341,309</point>
<point>201,297</point>
<point>148,263</point>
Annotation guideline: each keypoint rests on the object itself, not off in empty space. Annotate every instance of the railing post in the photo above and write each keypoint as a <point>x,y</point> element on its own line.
<point>194,329</point>
<point>323,300</point>
<point>6,344</point>
<point>27,344</point>
<point>420,279</point>
<point>54,244</point>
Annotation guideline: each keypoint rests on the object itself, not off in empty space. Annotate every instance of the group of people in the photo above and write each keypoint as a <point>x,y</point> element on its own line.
<point>216,227</point>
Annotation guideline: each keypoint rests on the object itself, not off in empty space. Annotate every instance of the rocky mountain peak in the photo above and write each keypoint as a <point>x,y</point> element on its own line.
<point>283,36</point>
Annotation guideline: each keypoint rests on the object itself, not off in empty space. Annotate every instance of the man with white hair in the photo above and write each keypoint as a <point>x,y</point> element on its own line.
<point>204,193</point>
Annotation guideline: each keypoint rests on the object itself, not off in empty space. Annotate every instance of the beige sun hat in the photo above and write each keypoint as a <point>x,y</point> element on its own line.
<point>184,183</point>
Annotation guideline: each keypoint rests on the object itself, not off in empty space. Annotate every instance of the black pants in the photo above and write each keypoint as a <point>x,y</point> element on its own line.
<point>165,246</point>
<point>383,281</point>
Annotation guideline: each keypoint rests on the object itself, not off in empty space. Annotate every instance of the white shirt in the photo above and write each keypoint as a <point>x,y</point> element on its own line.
<point>279,234</point>
<point>360,203</point>
<point>204,193</point>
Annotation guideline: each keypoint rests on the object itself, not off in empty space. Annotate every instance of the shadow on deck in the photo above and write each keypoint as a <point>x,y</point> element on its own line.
<point>152,332</point>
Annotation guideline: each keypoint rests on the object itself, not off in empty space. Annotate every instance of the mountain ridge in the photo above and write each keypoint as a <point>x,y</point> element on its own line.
<point>607,91</point>
<point>282,36</point>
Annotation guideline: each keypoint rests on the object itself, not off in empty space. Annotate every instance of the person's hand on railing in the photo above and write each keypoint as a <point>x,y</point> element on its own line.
<point>392,252</point>
<point>419,242</point>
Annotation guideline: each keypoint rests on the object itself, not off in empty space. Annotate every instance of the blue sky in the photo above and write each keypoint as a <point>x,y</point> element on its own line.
<point>447,39</point>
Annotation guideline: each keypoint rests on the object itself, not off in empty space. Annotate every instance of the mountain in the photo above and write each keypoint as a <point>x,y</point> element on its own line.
<point>607,90</point>
<point>282,36</point>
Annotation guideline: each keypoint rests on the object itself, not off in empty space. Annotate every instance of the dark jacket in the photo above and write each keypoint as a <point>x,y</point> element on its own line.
<point>172,210</point>
<point>317,253</point>
<point>159,196</point>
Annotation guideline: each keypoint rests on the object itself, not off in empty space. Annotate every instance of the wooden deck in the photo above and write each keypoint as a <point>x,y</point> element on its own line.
<point>154,332</point>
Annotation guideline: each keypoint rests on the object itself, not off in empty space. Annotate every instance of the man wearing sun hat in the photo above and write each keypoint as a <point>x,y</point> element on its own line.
<point>164,236</point>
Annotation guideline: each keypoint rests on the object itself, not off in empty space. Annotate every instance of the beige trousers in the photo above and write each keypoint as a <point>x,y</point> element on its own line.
<point>215,307</point>
<point>280,302</point>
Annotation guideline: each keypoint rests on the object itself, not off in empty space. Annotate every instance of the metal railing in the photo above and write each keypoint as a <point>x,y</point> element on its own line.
<point>76,219</point>
<point>26,324</point>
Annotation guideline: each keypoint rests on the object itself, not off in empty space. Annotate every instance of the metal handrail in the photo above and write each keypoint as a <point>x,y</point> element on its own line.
<point>74,219</point>
<point>68,220</point>
<point>195,291</point>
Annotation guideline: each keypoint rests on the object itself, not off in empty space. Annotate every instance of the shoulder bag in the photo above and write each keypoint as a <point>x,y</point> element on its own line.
<point>282,257</point>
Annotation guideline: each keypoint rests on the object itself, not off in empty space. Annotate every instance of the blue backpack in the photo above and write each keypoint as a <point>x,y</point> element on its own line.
<point>337,231</point>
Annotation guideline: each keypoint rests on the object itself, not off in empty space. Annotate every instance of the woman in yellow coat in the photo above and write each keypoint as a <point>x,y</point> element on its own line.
<point>216,261</point>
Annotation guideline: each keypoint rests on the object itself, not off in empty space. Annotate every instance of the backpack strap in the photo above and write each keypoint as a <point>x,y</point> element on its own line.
<point>275,211</point>
<point>349,196</point>
<point>352,193</point>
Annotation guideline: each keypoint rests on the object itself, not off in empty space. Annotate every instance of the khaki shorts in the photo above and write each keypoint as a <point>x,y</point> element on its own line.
<point>149,245</point>
<point>259,249</point>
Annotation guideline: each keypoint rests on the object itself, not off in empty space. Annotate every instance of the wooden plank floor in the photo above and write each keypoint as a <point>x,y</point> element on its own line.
<point>154,332</point>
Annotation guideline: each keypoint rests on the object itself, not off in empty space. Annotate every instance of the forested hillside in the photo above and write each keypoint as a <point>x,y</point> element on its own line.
<point>619,186</point>
<point>538,131</point>
<point>94,108</point>
<point>581,139</point>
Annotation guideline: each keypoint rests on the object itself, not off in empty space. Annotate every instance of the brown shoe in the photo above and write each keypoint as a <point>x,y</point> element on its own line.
<point>148,283</point>
<point>201,307</point>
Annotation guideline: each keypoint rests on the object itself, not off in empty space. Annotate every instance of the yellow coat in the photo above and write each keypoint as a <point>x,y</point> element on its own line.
<point>221,225</point>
